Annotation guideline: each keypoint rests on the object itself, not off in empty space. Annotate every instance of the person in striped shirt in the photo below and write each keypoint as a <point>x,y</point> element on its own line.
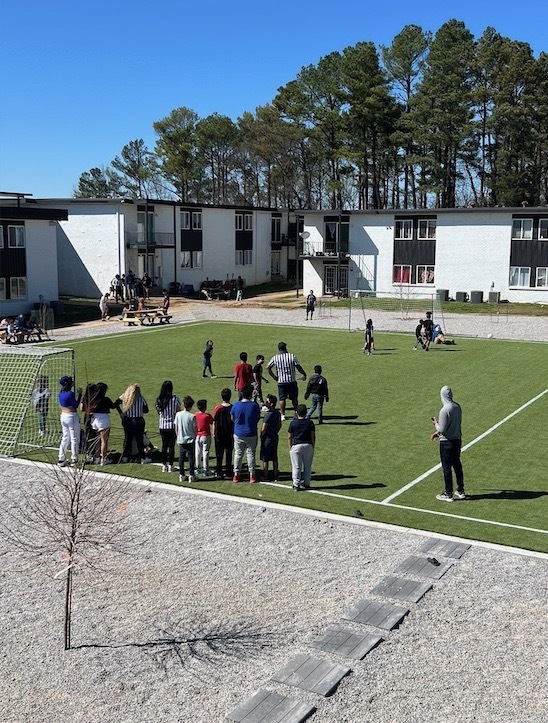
<point>133,407</point>
<point>167,406</point>
<point>286,364</point>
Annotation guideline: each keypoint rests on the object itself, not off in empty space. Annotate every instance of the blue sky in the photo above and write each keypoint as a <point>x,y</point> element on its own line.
<point>80,80</point>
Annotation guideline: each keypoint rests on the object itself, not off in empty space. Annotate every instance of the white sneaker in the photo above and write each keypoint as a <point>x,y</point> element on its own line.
<point>190,478</point>
<point>460,495</point>
<point>264,408</point>
<point>181,478</point>
<point>283,417</point>
<point>170,468</point>
<point>105,461</point>
<point>146,460</point>
<point>96,460</point>
<point>164,468</point>
<point>444,498</point>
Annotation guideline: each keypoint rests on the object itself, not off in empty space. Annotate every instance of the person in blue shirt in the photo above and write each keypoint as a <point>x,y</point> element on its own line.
<point>245,415</point>
<point>70,422</point>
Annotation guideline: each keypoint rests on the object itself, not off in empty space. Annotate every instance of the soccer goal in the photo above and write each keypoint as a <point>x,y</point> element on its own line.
<point>405,301</point>
<point>29,382</point>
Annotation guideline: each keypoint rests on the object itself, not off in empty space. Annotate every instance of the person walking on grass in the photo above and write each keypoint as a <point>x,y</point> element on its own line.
<point>245,415</point>
<point>448,433</point>
<point>317,387</point>
<point>302,440</point>
<point>272,422</point>
<point>286,364</point>
<point>369,345</point>
<point>185,429</point>
<point>206,359</point>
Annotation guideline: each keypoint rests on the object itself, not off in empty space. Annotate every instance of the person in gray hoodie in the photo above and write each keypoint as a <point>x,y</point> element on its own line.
<point>448,433</point>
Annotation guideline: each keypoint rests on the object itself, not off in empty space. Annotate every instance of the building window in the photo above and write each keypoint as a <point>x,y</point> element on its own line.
<point>402,274</point>
<point>404,229</point>
<point>248,222</point>
<point>239,220</point>
<point>16,238</point>
<point>542,277</point>
<point>2,289</point>
<point>543,229</point>
<point>522,228</point>
<point>196,220</point>
<point>239,260</point>
<point>197,259</point>
<point>185,220</point>
<point>18,287</point>
<point>244,258</point>
<point>427,228</point>
<point>186,259</point>
<point>425,274</point>
<point>1,237</point>
<point>275,230</point>
<point>248,257</point>
<point>520,276</point>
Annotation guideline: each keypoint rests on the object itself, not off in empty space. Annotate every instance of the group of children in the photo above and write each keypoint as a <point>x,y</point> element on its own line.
<point>427,332</point>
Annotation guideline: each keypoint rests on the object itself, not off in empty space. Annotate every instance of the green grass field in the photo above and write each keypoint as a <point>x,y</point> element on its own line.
<point>376,439</point>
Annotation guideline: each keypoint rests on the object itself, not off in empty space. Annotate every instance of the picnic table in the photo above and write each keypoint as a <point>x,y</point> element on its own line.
<point>145,317</point>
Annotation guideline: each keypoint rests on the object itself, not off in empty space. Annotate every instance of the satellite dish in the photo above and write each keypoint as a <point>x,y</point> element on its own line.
<point>304,234</point>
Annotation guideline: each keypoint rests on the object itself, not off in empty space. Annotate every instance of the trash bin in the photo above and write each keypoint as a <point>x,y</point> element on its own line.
<point>460,296</point>
<point>442,294</point>
<point>476,297</point>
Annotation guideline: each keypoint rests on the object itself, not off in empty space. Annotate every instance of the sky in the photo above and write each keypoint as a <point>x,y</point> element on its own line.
<point>79,80</point>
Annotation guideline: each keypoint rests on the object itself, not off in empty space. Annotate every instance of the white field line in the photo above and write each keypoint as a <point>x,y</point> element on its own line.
<point>466,446</point>
<point>414,509</point>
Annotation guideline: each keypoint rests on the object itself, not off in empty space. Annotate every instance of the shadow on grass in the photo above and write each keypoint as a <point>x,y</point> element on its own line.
<point>354,486</point>
<point>509,495</point>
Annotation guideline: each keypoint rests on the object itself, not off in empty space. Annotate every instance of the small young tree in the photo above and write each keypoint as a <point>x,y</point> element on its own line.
<point>68,519</point>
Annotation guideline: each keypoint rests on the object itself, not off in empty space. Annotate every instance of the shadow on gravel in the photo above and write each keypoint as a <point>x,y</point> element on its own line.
<point>509,495</point>
<point>184,643</point>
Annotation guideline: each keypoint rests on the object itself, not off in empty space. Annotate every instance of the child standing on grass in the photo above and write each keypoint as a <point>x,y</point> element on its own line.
<point>243,374</point>
<point>272,422</point>
<point>258,380</point>
<point>204,420</point>
<point>185,428</point>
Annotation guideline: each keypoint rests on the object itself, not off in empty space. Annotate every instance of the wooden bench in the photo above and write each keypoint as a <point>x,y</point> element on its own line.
<point>146,317</point>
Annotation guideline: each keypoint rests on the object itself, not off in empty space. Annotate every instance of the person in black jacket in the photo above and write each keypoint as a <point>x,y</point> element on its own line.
<point>317,387</point>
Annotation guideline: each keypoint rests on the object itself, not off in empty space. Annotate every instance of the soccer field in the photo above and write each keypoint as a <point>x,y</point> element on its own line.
<point>374,452</point>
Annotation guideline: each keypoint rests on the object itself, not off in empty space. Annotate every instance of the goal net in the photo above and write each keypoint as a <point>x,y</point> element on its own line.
<point>29,383</point>
<point>405,302</point>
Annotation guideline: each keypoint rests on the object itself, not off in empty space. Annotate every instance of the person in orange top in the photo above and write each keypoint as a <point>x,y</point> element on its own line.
<point>243,374</point>
<point>204,420</point>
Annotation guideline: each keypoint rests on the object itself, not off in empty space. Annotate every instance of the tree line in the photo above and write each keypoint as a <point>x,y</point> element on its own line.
<point>431,121</point>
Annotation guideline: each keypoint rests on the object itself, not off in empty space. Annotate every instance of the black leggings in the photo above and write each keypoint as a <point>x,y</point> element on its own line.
<point>168,445</point>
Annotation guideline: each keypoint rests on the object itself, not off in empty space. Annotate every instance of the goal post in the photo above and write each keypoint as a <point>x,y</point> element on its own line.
<point>404,301</point>
<point>29,383</point>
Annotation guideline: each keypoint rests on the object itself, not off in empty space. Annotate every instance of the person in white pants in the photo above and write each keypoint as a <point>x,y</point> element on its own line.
<point>70,422</point>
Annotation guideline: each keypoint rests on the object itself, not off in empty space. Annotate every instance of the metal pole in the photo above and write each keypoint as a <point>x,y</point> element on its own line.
<point>297,237</point>
<point>339,256</point>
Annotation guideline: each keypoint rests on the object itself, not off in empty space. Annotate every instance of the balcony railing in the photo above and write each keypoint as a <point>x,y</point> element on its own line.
<point>154,239</point>
<point>323,248</point>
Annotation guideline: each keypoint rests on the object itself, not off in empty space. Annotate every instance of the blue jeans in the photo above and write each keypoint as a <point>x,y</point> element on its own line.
<point>317,402</point>
<point>450,459</point>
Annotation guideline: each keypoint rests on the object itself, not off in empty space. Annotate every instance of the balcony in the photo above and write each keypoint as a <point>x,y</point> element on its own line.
<point>155,240</point>
<point>323,248</point>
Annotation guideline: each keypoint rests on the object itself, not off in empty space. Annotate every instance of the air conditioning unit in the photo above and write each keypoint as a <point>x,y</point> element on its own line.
<point>494,297</point>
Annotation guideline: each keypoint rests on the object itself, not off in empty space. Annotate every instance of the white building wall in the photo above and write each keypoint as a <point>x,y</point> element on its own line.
<point>91,249</point>
<point>372,250</point>
<point>473,252</point>
<point>41,263</point>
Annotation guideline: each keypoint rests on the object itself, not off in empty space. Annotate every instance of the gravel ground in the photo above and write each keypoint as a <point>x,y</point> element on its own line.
<point>258,583</point>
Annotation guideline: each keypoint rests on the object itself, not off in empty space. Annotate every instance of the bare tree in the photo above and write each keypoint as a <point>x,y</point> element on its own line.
<point>68,519</point>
